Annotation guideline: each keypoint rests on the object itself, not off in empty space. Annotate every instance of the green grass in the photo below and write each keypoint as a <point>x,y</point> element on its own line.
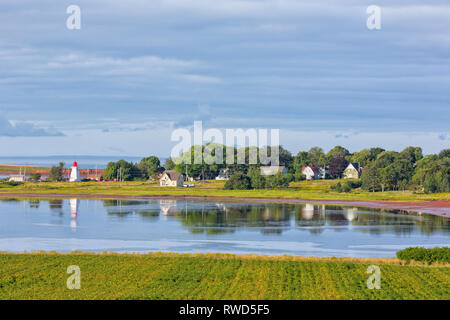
<point>301,190</point>
<point>8,169</point>
<point>215,276</point>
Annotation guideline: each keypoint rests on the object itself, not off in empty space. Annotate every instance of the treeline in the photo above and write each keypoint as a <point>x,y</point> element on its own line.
<point>147,168</point>
<point>392,170</point>
<point>254,180</point>
<point>382,169</point>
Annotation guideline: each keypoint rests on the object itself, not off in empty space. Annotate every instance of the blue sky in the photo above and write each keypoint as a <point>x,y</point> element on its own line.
<point>138,69</point>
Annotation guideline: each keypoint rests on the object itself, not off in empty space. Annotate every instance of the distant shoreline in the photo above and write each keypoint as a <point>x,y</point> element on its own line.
<point>435,207</point>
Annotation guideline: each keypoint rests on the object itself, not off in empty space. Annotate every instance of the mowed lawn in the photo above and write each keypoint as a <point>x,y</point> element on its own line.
<point>211,276</point>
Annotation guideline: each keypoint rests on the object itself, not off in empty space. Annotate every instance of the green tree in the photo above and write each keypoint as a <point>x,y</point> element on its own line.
<point>337,152</point>
<point>316,157</point>
<point>56,172</point>
<point>121,170</point>
<point>35,177</point>
<point>238,181</point>
<point>369,178</point>
<point>300,161</point>
<point>277,181</point>
<point>149,167</point>
<point>169,164</point>
<point>257,180</point>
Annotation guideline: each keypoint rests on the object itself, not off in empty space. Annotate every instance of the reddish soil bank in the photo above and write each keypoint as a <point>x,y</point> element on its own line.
<point>436,207</point>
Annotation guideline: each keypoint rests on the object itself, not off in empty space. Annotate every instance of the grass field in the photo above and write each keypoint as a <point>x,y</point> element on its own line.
<point>300,190</point>
<point>214,276</point>
<point>10,168</point>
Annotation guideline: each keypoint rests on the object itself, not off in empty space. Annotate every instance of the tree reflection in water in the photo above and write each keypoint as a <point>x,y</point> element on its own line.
<point>275,218</point>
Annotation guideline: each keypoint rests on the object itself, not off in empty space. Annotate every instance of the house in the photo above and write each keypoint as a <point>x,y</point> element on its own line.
<point>171,178</point>
<point>353,171</point>
<point>311,172</point>
<point>17,177</point>
<point>224,174</point>
<point>323,173</point>
<point>271,170</point>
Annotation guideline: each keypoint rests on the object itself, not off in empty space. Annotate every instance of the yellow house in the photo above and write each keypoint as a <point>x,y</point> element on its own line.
<point>353,171</point>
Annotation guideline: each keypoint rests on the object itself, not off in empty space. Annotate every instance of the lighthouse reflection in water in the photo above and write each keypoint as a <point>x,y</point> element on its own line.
<point>74,212</point>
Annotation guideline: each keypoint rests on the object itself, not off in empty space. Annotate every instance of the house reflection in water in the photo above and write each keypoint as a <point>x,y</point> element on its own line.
<point>168,207</point>
<point>351,214</point>
<point>74,212</point>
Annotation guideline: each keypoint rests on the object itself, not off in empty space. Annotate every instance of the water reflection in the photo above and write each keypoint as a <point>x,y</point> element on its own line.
<point>268,218</point>
<point>275,218</point>
<point>205,226</point>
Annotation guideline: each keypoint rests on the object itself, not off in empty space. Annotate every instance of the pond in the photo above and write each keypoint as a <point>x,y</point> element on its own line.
<point>205,226</point>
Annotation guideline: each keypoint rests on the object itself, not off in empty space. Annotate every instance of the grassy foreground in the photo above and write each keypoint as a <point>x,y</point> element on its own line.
<point>214,276</point>
<point>319,190</point>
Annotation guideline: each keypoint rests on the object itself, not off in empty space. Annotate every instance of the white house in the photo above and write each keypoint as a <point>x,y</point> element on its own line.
<point>17,177</point>
<point>171,178</point>
<point>271,170</point>
<point>353,171</point>
<point>74,174</point>
<point>311,172</point>
<point>224,174</point>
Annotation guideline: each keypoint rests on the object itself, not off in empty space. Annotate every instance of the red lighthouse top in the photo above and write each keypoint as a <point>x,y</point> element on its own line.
<point>75,164</point>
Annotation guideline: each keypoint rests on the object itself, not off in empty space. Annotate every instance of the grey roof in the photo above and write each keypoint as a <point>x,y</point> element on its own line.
<point>173,175</point>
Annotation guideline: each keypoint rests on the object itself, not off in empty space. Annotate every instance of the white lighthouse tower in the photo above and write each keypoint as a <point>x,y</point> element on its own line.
<point>74,174</point>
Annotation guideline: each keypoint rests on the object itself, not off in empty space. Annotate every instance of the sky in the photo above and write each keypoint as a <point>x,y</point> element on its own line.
<point>137,70</point>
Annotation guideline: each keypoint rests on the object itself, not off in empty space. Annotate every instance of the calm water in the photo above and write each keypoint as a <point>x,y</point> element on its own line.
<point>199,226</point>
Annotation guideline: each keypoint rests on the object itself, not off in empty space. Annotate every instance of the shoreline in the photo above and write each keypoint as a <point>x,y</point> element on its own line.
<point>435,207</point>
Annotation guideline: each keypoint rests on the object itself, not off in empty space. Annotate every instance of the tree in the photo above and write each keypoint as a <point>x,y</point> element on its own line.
<point>337,152</point>
<point>276,181</point>
<point>257,181</point>
<point>316,157</point>
<point>300,161</point>
<point>412,154</point>
<point>149,167</point>
<point>444,154</point>
<point>369,178</point>
<point>169,164</point>
<point>56,172</point>
<point>238,181</point>
<point>121,170</point>
<point>362,157</point>
<point>35,177</point>
<point>337,167</point>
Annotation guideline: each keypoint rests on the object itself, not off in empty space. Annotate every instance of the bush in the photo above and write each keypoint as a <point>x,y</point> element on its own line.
<point>299,177</point>
<point>14,183</point>
<point>425,255</point>
<point>277,181</point>
<point>238,181</point>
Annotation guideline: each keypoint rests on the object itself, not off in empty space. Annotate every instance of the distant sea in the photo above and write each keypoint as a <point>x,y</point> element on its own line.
<point>84,162</point>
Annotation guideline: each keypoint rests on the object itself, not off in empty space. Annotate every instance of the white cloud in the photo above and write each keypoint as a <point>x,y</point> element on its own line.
<point>24,129</point>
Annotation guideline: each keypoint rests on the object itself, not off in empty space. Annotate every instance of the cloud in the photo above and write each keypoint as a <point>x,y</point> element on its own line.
<point>25,129</point>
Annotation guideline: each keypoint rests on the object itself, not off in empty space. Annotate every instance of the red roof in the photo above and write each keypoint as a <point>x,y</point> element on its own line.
<point>313,168</point>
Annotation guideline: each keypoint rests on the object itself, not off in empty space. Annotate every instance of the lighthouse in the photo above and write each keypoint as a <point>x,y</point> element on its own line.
<point>74,174</point>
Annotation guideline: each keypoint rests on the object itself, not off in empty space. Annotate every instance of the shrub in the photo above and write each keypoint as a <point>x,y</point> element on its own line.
<point>238,181</point>
<point>425,255</point>
<point>277,181</point>
<point>12,183</point>
<point>299,177</point>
